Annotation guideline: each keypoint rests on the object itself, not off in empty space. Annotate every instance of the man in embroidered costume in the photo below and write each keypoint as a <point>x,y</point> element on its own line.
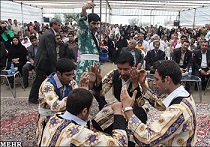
<point>87,41</point>
<point>125,74</point>
<point>177,125</point>
<point>54,91</point>
<point>70,128</point>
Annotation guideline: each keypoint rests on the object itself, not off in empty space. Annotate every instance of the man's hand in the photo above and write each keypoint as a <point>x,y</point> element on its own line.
<point>117,108</point>
<point>142,75</point>
<point>89,5</point>
<point>134,77</point>
<point>95,69</point>
<point>84,81</point>
<point>126,100</point>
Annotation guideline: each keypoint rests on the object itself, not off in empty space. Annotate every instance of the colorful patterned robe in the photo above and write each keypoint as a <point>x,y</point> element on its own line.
<point>63,132</point>
<point>87,46</point>
<point>175,127</point>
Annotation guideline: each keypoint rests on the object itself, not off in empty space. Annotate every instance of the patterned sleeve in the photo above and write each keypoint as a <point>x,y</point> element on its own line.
<point>87,137</point>
<point>107,82</point>
<point>166,127</point>
<point>83,25</point>
<point>65,133</point>
<point>48,96</point>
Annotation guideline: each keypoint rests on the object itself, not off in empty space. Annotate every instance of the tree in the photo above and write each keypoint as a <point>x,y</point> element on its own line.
<point>133,21</point>
<point>58,16</point>
<point>71,17</point>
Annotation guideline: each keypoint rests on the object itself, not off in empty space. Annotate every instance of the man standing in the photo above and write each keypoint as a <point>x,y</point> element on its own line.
<point>88,43</point>
<point>177,124</point>
<point>46,58</point>
<point>201,62</point>
<point>32,50</point>
<point>15,27</point>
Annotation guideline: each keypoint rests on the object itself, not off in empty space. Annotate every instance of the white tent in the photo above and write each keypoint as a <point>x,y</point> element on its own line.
<point>190,13</point>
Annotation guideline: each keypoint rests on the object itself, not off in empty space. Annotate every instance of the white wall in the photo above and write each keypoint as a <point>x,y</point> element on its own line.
<point>13,10</point>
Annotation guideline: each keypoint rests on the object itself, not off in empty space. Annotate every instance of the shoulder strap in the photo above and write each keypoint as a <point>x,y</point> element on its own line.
<point>177,100</point>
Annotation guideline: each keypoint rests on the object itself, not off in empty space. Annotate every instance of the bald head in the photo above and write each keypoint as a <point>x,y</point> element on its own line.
<point>132,43</point>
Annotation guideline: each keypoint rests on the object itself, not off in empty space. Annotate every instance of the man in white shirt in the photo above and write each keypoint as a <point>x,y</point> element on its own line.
<point>201,62</point>
<point>177,124</point>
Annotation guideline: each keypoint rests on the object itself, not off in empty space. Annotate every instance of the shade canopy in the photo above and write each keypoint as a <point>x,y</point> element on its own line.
<point>168,5</point>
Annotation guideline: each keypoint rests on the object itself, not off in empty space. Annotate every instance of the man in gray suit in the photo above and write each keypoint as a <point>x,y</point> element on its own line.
<point>32,50</point>
<point>45,58</point>
<point>137,54</point>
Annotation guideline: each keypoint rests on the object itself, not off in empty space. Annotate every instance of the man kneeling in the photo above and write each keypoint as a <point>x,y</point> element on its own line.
<point>70,128</point>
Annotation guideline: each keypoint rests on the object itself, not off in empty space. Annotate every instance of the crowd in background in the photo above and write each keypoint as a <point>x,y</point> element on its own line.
<point>113,37</point>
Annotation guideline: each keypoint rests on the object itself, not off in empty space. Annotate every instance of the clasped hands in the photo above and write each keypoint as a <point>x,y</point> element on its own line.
<point>91,77</point>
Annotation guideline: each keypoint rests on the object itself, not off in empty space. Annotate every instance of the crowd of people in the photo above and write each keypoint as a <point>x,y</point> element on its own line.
<point>66,59</point>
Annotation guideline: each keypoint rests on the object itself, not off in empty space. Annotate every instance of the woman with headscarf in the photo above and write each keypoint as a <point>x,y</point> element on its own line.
<point>17,54</point>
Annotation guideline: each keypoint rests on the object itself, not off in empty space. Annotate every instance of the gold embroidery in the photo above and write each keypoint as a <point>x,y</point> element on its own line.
<point>141,127</point>
<point>111,143</point>
<point>180,141</point>
<point>161,120</point>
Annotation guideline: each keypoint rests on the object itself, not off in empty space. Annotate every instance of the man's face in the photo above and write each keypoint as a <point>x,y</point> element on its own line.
<point>66,77</point>
<point>94,25</point>
<point>71,37</point>
<point>58,40</point>
<point>183,39</point>
<point>156,45</point>
<point>124,70</point>
<point>159,83</point>
<point>34,42</point>
<point>56,26</point>
<point>204,46</point>
<point>132,44</point>
<point>185,46</point>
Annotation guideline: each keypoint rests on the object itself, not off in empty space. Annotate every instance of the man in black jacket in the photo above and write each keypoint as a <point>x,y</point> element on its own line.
<point>32,50</point>
<point>201,62</point>
<point>45,58</point>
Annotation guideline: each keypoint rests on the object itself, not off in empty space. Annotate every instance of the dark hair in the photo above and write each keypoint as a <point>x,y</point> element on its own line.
<point>93,17</point>
<point>64,65</point>
<point>125,57</point>
<point>169,68</point>
<point>54,21</point>
<point>79,99</point>
<point>183,36</point>
<point>32,37</point>
<point>186,41</point>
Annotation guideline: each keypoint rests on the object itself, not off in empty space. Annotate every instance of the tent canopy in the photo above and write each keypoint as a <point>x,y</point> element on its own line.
<point>167,5</point>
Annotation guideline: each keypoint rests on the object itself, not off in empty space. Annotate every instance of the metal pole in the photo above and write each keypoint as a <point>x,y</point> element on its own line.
<point>22,11</point>
<point>42,14</point>
<point>194,18</point>
<point>106,12</point>
<point>93,8</point>
<point>100,21</point>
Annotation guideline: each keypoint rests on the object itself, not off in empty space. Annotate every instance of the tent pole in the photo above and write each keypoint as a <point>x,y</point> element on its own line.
<point>194,18</point>
<point>100,22</point>
<point>22,11</point>
<point>93,8</point>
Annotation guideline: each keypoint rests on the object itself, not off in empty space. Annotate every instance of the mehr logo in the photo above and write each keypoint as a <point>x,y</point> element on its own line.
<point>10,144</point>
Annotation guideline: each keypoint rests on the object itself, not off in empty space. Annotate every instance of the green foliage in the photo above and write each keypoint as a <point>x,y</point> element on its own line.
<point>58,16</point>
<point>133,21</point>
<point>71,17</point>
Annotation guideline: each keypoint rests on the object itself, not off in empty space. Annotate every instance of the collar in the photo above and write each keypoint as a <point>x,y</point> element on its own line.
<point>180,91</point>
<point>54,31</point>
<point>57,81</point>
<point>67,115</point>
<point>204,53</point>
